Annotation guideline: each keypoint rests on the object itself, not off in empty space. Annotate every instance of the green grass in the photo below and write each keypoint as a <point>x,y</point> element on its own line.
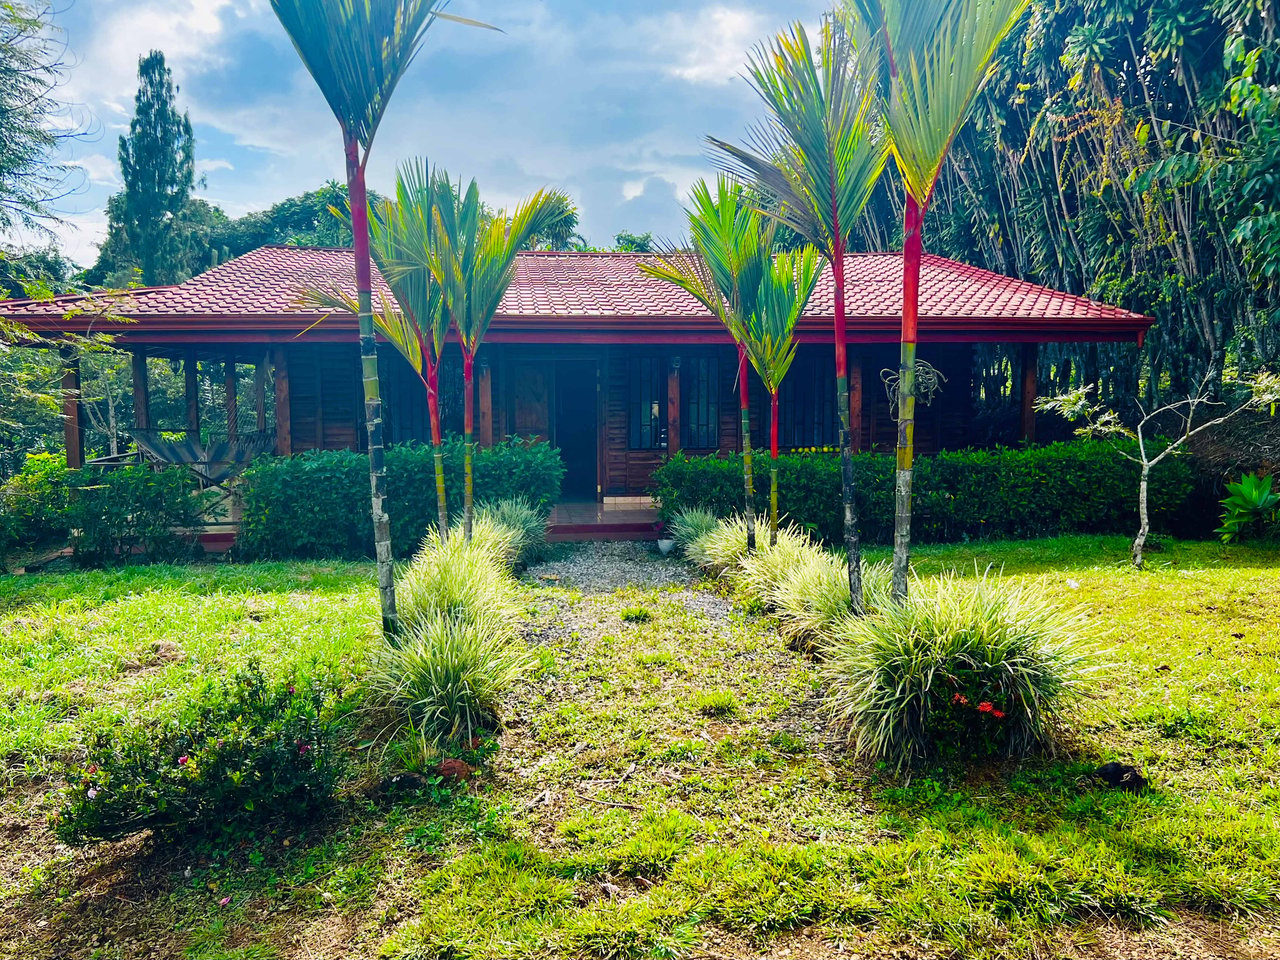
<point>667,787</point>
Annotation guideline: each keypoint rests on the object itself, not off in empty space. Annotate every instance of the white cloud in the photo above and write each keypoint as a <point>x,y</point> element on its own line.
<point>98,168</point>
<point>710,46</point>
<point>210,166</point>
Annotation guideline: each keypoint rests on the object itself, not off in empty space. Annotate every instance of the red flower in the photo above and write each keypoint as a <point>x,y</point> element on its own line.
<point>961,699</point>
<point>986,707</point>
<point>182,761</point>
<point>998,714</point>
<point>93,768</point>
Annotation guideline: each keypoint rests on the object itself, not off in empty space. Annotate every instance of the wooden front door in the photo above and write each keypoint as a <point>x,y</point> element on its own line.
<point>576,427</point>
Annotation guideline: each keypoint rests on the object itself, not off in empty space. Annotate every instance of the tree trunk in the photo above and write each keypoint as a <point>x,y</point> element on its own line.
<point>468,442</point>
<point>911,253</point>
<point>773,468</point>
<point>372,390</point>
<point>852,548</point>
<point>1140,541</point>
<point>748,484</point>
<point>433,411</point>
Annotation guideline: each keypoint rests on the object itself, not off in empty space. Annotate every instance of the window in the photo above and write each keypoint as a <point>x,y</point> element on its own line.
<point>700,403</point>
<point>807,404</point>
<point>647,404</point>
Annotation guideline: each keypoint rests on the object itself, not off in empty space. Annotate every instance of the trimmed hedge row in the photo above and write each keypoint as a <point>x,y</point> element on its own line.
<point>1084,486</point>
<point>316,504</point>
<point>110,516</point>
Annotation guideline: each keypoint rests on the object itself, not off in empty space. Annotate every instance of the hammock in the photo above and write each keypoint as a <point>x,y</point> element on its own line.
<point>218,462</point>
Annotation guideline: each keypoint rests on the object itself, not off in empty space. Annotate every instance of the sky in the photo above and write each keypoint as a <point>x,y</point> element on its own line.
<point>609,101</point>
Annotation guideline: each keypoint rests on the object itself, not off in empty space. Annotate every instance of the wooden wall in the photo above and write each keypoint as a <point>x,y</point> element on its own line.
<point>326,409</point>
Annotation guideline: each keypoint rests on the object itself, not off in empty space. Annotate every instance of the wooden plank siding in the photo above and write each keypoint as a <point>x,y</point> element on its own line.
<point>325,409</point>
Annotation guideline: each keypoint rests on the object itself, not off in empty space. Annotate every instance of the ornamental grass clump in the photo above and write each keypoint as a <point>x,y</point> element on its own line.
<point>756,573</point>
<point>526,526</point>
<point>446,677</point>
<point>689,525</point>
<point>460,581</point>
<point>962,669</point>
<point>812,596</point>
<point>721,547</point>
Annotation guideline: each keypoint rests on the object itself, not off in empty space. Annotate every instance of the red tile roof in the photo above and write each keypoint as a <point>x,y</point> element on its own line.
<point>601,297</point>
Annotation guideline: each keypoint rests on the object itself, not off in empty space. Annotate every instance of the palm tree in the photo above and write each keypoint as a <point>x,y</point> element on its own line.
<point>814,163</point>
<point>937,56</point>
<point>769,336</point>
<point>357,51</point>
<point>723,270</point>
<point>473,258</point>
<point>415,324</point>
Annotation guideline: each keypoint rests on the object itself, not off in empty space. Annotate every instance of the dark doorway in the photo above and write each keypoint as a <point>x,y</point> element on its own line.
<point>576,427</point>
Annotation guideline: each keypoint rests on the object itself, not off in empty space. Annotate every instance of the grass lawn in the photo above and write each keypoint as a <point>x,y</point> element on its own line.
<point>666,784</point>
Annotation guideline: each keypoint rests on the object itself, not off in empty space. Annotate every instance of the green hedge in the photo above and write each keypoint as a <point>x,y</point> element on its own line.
<point>317,504</point>
<point>1084,486</point>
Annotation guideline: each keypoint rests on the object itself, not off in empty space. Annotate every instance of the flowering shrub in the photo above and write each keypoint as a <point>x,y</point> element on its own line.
<point>246,749</point>
<point>962,670</point>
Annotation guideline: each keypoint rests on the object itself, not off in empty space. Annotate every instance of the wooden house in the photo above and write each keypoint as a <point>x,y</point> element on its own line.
<point>616,369</point>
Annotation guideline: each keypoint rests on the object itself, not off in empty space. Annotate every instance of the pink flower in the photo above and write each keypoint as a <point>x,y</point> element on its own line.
<point>303,748</point>
<point>182,761</point>
<point>986,707</point>
<point>93,792</point>
<point>224,901</point>
<point>291,690</point>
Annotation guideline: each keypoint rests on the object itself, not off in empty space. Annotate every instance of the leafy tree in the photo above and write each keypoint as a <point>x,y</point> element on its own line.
<point>625,242</point>
<point>30,73</point>
<point>473,258</point>
<point>937,57</point>
<point>356,51</point>
<point>150,227</point>
<point>815,162</point>
<point>1156,441</point>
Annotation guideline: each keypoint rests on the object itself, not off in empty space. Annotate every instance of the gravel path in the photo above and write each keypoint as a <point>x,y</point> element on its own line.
<point>604,567</point>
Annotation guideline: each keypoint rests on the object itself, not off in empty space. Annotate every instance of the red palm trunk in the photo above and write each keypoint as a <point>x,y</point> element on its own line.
<point>852,547</point>
<point>773,467</point>
<point>372,389</point>
<point>749,495</point>
<point>468,428</point>
<point>433,412</point>
<point>912,251</point>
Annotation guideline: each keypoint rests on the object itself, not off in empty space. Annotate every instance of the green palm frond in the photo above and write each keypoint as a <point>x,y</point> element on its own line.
<point>816,158</point>
<point>357,51</point>
<point>474,256</point>
<point>389,320</point>
<point>939,56</point>
<point>769,331</point>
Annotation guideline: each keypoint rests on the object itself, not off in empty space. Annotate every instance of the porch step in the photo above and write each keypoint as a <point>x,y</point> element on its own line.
<point>578,532</point>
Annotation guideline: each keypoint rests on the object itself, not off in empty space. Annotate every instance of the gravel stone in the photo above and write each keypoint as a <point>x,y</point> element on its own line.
<point>599,567</point>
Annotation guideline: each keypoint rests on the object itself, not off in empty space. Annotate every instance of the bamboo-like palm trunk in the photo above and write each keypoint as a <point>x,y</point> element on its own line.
<point>433,411</point>
<point>851,544</point>
<point>372,388</point>
<point>468,441</point>
<point>773,468</point>
<point>912,250</point>
<point>748,484</point>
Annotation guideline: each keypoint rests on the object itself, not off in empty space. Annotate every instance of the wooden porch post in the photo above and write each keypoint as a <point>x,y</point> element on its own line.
<point>141,392</point>
<point>284,434</point>
<point>260,390</point>
<point>1029,358</point>
<point>484,384</point>
<point>72,424</point>
<point>673,406</point>
<point>230,382</point>
<point>855,398</point>
<point>192,385</point>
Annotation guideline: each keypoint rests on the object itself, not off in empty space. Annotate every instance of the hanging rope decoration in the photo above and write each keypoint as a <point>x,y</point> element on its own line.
<point>929,381</point>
